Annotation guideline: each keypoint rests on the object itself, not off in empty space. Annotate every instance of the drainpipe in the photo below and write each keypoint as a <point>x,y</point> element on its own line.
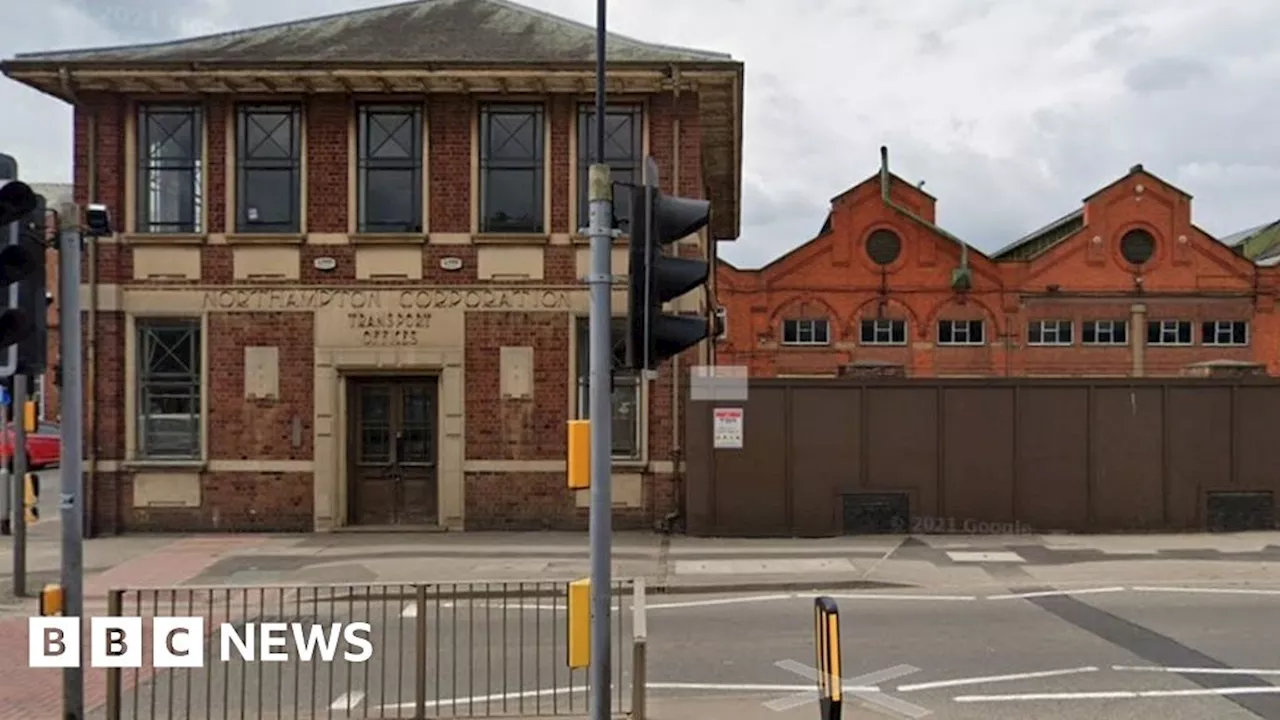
<point>668,521</point>
<point>90,347</point>
<point>1138,322</point>
<point>961,277</point>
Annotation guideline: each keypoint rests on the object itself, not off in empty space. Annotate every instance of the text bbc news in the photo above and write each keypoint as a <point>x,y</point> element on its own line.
<point>178,642</point>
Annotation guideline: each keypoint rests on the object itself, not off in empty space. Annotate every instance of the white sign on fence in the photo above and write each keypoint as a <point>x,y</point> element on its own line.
<point>728,428</point>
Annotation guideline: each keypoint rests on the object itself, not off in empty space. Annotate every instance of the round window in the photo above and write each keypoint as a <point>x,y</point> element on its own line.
<point>884,247</point>
<point>1137,246</point>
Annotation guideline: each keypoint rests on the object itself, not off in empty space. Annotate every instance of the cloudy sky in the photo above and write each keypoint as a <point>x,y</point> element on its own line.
<point>1011,111</point>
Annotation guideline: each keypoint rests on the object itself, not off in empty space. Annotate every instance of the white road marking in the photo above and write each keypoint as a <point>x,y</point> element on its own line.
<point>1122,694</point>
<point>1050,593</point>
<point>475,699</point>
<point>411,609</point>
<point>1224,591</point>
<point>1007,556</point>
<point>994,678</point>
<point>720,601</point>
<point>347,701</point>
<point>749,687</point>
<point>1194,671</point>
<point>879,596</point>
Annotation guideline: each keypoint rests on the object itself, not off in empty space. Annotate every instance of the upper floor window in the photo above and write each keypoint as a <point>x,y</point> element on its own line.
<point>1169,332</point>
<point>626,390</point>
<point>1050,332</point>
<point>623,153</point>
<point>1225,332</point>
<point>269,165</point>
<point>805,332</point>
<point>170,150</point>
<point>721,327</point>
<point>1105,332</point>
<point>390,169</point>
<point>511,169</point>
<point>169,388</point>
<point>884,332</point>
<point>961,332</point>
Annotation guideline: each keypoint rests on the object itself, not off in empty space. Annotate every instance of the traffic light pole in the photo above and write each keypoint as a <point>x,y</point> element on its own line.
<point>600,395</point>
<point>69,498</point>
<point>18,480</point>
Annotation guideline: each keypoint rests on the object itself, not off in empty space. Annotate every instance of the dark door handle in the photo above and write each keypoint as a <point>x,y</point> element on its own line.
<point>399,446</point>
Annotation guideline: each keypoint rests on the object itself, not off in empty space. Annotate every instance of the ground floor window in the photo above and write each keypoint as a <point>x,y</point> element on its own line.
<point>626,390</point>
<point>168,356</point>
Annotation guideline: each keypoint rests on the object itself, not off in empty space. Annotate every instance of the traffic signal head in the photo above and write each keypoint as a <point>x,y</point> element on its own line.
<point>22,270</point>
<point>17,200</point>
<point>657,278</point>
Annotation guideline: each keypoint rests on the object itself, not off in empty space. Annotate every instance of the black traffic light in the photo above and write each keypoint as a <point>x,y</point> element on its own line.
<point>33,292</point>
<point>657,278</point>
<point>22,256</point>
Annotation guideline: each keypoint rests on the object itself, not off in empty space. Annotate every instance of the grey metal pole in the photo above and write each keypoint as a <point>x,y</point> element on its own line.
<point>19,457</point>
<point>69,497</point>
<point>601,396</point>
<point>10,495</point>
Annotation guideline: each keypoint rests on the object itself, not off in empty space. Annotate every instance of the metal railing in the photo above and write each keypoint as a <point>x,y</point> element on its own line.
<point>439,650</point>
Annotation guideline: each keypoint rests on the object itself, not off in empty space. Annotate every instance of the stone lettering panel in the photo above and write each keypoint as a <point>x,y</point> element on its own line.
<point>385,301</point>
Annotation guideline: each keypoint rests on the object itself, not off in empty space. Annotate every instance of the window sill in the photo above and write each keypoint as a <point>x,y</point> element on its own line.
<point>265,238</point>
<point>164,464</point>
<point>511,238</point>
<point>629,463</point>
<point>165,238</point>
<point>578,239</point>
<point>389,238</point>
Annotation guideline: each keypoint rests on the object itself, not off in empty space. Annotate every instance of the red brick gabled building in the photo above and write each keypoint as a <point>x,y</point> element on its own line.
<point>345,287</point>
<point>1126,285</point>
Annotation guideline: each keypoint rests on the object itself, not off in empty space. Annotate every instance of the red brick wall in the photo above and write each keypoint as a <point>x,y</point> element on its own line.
<point>496,429</point>
<point>1192,277</point>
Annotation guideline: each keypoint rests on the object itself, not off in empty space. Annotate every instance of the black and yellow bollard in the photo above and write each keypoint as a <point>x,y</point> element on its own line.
<point>826,621</point>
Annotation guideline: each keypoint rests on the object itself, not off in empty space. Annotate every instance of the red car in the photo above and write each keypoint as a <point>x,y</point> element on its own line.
<point>44,447</point>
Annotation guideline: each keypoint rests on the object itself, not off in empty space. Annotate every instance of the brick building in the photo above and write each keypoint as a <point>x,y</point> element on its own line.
<point>1126,285</point>
<point>345,287</point>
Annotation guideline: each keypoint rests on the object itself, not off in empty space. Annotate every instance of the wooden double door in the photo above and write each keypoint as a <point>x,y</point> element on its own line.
<point>393,451</point>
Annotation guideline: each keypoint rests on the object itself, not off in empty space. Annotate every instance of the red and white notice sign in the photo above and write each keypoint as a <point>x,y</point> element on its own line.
<point>728,428</point>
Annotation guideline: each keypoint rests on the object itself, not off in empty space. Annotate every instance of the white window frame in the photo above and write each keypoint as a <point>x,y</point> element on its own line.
<point>1051,339</point>
<point>1212,330</point>
<point>967,325</point>
<point>811,325</point>
<point>1110,327</point>
<point>628,390</point>
<point>882,328</point>
<point>1170,326</point>
<point>722,314</point>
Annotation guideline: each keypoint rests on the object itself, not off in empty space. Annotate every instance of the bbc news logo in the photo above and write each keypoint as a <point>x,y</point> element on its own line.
<point>179,642</point>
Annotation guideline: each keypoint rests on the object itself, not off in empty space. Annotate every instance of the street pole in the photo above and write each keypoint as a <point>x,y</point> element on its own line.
<point>11,496</point>
<point>601,395</point>
<point>69,497</point>
<point>18,402</point>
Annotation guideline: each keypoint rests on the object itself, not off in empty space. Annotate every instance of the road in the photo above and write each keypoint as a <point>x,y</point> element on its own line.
<point>1091,654</point>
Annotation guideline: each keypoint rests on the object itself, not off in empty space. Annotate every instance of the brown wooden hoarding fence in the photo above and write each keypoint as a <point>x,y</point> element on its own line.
<point>823,457</point>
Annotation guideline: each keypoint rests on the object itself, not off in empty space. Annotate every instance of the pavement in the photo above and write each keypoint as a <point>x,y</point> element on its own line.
<point>723,613</point>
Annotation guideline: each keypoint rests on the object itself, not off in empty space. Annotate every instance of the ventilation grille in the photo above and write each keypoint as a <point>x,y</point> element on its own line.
<point>876,514</point>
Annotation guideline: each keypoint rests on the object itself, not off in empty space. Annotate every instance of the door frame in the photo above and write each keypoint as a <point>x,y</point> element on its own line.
<point>350,381</point>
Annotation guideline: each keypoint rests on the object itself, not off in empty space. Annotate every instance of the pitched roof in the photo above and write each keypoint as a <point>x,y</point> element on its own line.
<point>420,31</point>
<point>1037,241</point>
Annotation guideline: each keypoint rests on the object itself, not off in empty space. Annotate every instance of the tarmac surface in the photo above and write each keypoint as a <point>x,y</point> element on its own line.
<point>1114,652</point>
<point>966,626</point>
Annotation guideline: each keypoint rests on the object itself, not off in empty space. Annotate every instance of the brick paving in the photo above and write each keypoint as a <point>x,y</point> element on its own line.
<point>36,693</point>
